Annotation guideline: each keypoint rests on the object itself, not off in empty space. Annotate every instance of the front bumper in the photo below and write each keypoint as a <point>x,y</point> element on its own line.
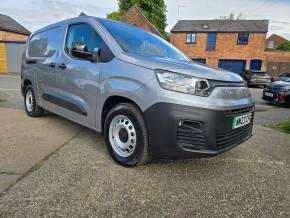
<point>276,98</point>
<point>177,131</point>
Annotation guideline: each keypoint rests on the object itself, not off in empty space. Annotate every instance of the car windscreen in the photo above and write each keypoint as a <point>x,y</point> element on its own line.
<point>260,74</point>
<point>138,41</point>
<point>285,79</point>
<point>285,75</point>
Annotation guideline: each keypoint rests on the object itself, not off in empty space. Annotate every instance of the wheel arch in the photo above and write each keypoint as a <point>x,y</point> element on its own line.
<point>26,83</point>
<point>110,102</point>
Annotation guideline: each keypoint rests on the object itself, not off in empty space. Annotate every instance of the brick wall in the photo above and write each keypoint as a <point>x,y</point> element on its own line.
<point>278,62</point>
<point>276,39</point>
<point>8,36</point>
<point>135,17</point>
<point>226,48</point>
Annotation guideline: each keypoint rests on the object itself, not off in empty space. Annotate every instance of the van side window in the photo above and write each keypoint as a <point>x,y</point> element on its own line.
<point>80,33</point>
<point>84,33</point>
<point>45,44</point>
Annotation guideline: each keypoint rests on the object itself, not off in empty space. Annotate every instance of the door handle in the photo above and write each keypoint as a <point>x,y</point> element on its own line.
<point>62,66</point>
<point>51,65</point>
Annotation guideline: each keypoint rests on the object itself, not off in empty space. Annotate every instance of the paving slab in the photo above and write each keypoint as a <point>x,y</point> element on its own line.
<point>81,180</point>
<point>7,180</point>
<point>24,141</point>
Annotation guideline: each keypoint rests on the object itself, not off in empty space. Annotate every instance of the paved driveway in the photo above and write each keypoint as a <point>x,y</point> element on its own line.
<point>63,169</point>
<point>81,180</point>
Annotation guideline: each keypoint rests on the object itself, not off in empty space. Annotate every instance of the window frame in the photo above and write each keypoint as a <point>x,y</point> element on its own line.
<point>94,31</point>
<point>66,39</point>
<point>272,43</point>
<point>198,60</point>
<point>29,44</point>
<point>242,42</point>
<point>191,42</point>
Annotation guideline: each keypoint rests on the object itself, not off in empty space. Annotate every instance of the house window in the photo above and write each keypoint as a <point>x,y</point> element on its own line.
<point>191,38</point>
<point>199,60</point>
<point>211,41</point>
<point>271,44</point>
<point>243,38</point>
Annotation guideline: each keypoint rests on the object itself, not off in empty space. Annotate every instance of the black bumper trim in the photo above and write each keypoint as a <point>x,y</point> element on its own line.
<point>163,120</point>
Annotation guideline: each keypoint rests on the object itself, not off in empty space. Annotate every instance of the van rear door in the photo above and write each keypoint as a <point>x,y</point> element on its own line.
<point>43,54</point>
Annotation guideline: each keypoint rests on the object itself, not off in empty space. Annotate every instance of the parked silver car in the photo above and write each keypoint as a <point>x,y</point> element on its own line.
<point>259,78</point>
<point>146,97</point>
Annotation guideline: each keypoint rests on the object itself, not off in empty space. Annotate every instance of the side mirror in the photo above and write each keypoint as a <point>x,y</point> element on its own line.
<point>80,50</point>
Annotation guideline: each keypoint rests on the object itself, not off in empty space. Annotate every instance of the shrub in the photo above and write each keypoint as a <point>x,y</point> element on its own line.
<point>285,46</point>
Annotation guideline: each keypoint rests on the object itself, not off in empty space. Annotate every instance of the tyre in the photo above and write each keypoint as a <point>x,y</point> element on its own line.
<point>126,135</point>
<point>31,108</point>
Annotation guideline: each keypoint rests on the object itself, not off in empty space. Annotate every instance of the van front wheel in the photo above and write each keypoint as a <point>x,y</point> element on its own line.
<point>31,107</point>
<point>126,135</point>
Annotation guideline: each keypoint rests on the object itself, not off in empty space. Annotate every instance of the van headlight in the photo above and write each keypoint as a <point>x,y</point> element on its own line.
<point>183,83</point>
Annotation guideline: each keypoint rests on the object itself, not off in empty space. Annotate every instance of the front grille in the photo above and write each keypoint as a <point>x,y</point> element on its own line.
<point>190,135</point>
<point>234,136</point>
<point>241,111</point>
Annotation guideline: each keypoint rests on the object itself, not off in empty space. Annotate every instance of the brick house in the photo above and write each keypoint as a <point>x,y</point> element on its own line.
<point>237,45</point>
<point>13,37</point>
<point>135,17</point>
<point>274,41</point>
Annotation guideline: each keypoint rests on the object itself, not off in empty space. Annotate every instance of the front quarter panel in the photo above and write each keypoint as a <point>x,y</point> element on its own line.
<point>126,80</point>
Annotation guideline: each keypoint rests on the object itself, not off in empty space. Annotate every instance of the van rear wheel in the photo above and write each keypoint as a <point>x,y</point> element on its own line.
<point>31,107</point>
<point>126,135</point>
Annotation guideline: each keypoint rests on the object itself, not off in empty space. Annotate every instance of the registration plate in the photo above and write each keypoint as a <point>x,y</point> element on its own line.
<point>269,94</point>
<point>242,120</point>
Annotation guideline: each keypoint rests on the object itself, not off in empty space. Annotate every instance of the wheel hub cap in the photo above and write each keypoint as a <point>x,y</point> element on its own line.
<point>122,135</point>
<point>29,100</point>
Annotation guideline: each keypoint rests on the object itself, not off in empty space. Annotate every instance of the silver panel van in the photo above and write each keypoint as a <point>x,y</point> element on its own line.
<point>146,97</point>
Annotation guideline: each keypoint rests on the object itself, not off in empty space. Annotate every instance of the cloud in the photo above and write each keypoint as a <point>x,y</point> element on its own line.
<point>34,14</point>
<point>277,11</point>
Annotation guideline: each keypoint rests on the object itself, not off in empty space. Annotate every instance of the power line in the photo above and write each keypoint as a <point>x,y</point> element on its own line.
<point>262,5</point>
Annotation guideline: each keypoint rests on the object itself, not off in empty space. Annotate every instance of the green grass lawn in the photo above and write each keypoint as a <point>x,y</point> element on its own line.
<point>283,126</point>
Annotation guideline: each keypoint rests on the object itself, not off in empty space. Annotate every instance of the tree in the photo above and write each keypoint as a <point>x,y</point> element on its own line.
<point>233,17</point>
<point>284,46</point>
<point>153,10</point>
<point>114,15</point>
<point>240,17</point>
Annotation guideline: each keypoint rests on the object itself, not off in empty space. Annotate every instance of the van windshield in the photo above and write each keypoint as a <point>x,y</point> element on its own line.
<point>138,41</point>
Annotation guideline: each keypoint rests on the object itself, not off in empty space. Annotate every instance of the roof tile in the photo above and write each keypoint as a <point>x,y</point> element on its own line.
<point>9,24</point>
<point>221,26</point>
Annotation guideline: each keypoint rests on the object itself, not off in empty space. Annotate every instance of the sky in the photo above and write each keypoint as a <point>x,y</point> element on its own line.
<point>34,14</point>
